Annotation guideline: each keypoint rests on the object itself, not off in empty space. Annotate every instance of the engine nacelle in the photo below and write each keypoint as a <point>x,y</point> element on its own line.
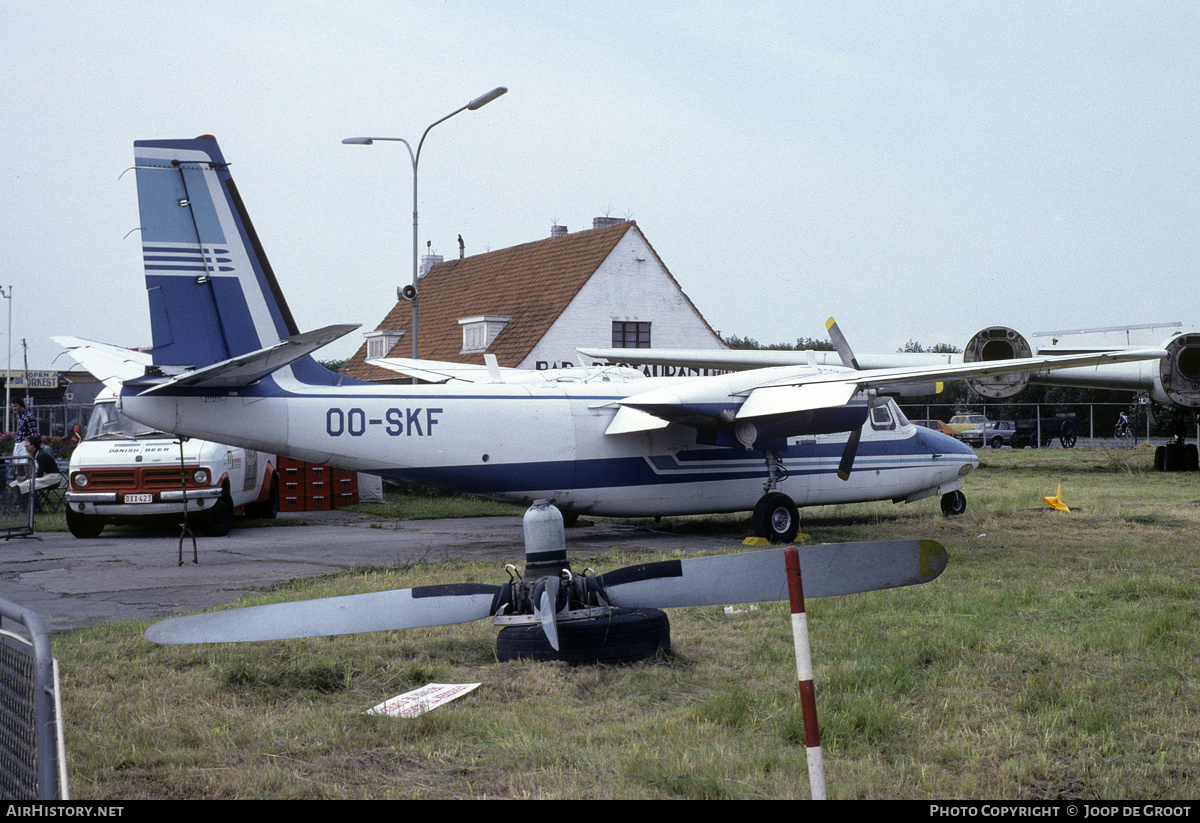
<point>998,343</point>
<point>1179,371</point>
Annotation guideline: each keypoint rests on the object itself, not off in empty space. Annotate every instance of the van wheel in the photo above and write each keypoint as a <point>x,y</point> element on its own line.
<point>267,509</point>
<point>84,525</point>
<point>218,520</point>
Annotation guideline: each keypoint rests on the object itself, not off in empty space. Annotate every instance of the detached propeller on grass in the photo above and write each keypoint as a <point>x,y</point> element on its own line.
<point>827,570</point>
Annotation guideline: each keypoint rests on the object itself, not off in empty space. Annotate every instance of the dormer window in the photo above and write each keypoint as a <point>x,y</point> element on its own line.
<point>380,342</point>
<point>479,332</point>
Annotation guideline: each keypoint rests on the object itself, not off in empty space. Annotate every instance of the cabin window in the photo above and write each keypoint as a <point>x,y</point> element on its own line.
<point>627,335</point>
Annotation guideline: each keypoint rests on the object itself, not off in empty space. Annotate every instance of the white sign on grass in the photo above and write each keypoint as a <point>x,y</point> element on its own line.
<point>419,701</point>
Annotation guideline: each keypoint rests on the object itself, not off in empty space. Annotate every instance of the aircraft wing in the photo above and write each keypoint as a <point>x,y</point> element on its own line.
<point>111,365</point>
<point>783,391</point>
<point>724,359</point>
<point>249,368</point>
<point>438,371</point>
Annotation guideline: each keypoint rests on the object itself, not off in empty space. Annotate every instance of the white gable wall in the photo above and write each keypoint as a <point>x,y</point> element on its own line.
<point>631,285</point>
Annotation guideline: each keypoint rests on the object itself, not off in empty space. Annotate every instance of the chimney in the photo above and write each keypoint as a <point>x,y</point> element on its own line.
<point>601,222</point>
<point>558,231</point>
<point>428,262</point>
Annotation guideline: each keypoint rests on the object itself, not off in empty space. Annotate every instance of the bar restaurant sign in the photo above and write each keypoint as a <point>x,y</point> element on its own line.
<point>32,379</point>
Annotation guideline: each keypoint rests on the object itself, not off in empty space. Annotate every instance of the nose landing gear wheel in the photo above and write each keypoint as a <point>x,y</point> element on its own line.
<point>954,504</point>
<point>776,518</point>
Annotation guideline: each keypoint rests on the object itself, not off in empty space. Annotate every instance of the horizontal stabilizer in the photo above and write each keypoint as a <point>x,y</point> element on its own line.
<point>250,368</point>
<point>111,365</point>
<point>751,577</point>
<point>379,611</point>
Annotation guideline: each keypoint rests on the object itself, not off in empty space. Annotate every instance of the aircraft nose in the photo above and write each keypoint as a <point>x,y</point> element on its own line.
<point>944,444</point>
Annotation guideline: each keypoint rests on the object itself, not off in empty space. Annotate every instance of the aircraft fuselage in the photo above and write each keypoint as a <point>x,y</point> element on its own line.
<point>523,442</point>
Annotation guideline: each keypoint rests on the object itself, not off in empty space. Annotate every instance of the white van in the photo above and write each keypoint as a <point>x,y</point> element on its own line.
<point>124,471</point>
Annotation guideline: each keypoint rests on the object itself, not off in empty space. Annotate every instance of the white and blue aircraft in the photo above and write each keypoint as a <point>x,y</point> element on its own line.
<point>231,365</point>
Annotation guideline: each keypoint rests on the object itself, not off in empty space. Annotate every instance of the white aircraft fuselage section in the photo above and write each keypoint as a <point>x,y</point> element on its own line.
<point>524,442</point>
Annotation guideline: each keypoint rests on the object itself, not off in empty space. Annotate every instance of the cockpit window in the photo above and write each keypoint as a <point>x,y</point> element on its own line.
<point>881,418</point>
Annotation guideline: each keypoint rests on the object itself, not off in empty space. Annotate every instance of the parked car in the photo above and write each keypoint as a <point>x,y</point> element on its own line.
<point>937,426</point>
<point>962,422</point>
<point>995,433</point>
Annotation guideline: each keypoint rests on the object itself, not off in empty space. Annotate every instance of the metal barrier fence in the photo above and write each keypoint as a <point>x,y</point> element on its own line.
<point>57,420</point>
<point>32,757</point>
<point>16,509</point>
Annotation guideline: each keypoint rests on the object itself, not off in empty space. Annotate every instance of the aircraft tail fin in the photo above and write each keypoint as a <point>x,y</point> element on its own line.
<point>212,293</point>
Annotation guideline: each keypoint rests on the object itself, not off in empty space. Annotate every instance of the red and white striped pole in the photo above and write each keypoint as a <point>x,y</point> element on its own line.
<point>808,695</point>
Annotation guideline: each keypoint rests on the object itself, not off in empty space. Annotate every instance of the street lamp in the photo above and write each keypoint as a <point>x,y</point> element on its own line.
<point>7,295</point>
<point>415,157</point>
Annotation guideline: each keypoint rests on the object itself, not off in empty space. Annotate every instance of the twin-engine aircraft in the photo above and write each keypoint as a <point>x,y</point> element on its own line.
<point>231,365</point>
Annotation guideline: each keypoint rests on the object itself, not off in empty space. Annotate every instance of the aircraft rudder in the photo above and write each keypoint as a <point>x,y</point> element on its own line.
<point>212,293</point>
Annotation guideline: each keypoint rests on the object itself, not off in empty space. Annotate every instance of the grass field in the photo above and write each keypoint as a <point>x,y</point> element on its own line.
<point>1056,658</point>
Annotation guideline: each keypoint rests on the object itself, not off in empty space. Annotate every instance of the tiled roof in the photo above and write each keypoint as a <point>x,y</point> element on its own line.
<point>532,283</point>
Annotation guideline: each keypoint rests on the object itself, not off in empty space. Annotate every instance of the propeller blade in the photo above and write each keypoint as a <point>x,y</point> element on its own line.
<point>827,570</point>
<point>548,610</point>
<point>848,453</point>
<point>842,345</point>
<point>380,611</point>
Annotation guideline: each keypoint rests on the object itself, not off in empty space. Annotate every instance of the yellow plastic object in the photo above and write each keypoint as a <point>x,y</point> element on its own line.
<point>1056,502</point>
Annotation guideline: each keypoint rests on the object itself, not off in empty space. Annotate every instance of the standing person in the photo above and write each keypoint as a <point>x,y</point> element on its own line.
<point>26,422</point>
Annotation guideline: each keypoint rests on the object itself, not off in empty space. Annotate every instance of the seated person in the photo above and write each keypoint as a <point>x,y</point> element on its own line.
<point>46,468</point>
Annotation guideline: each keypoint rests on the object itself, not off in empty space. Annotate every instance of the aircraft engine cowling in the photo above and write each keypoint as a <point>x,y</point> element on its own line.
<point>997,343</point>
<point>1179,371</point>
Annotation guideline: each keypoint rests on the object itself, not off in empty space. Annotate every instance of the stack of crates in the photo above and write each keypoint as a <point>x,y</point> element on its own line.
<point>313,487</point>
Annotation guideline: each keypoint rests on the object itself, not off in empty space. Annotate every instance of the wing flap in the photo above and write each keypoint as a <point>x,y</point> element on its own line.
<point>776,400</point>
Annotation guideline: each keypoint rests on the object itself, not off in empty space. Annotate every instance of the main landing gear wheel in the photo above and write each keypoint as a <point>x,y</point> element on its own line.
<point>776,518</point>
<point>622,636</point>
<point>954,504</point>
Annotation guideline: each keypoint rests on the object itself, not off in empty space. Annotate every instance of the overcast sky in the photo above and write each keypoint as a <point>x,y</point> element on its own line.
<point>916,169</point>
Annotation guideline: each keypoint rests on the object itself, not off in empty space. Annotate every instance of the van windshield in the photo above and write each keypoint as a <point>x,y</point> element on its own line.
<point>106,421</point>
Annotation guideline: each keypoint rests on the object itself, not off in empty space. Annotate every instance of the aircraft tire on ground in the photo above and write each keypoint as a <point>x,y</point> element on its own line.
<point>624,636</point>
<point>954,503</point>
<point>1173,457</point>
<point>217,521</point>
<point>776,518</point>
<point>84,525</point>
<point>1160,458</point>
<point>1191,458</point>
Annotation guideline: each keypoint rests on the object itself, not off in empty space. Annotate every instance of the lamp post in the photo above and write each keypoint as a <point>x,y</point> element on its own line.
<point>415,157</point>
<point>7,295</point>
